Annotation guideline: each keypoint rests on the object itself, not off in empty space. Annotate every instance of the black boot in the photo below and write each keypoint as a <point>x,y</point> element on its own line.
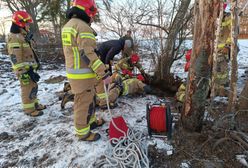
<point>66,98</point>
<point>67,87</point>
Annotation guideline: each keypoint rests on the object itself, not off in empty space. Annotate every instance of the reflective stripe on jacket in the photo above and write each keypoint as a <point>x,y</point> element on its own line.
<point>83,66</point>
<point>21,54</point>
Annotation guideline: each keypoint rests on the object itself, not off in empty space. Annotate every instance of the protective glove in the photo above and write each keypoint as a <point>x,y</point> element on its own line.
<point>127,73</point>
<point>33,75</point>
<point>141,77</point>
<point>107,80</point>
<point>25,78</point>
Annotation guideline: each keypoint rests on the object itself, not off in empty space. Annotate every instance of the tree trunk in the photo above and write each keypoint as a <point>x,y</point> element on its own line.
<point>234,51</point>
<point>205,13</point>
<point>34,28</point>
<point>214,70</point>
<point>243,99</point>
<point>166,59</point>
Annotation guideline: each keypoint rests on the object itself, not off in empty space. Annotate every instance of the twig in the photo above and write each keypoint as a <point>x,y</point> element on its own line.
<point>204,143</point>
<point>235,136</point>
<point>221,141</point>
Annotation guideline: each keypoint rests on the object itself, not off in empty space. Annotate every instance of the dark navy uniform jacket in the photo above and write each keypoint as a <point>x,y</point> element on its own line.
<point>107,50</point>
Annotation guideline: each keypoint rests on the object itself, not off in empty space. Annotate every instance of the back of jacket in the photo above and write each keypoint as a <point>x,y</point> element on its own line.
<point>107,50</point>
<point>83,66</point>
<point>21,54</point>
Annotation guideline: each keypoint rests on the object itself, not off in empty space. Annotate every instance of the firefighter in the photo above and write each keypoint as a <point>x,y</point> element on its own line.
<point>117,88</point>
<point>181,92</point>
<point>23,63</point>
<point>83,68</point>
<point>224,43</point>
<point>180,95</point>
<point>128,87</point>
<point>114,90</point>
<point>106,51</point>
<point>128,37</point>
<point>126,65</point>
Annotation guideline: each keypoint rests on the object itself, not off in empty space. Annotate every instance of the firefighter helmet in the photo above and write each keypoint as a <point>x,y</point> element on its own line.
<point>134,58</point>
<point>141,78</point>
<point>21,18</point>
<point>89,6</point>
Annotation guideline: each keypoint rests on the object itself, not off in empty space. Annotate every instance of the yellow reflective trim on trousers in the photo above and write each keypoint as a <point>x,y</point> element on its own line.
<point>83,131</point>
<point>126,84</point>
<point>81,76</point>
<point>12,45</point>
<point>96,64</point>
<point>27,106</point>
<point>101,95</point>
<point>92,118</point>
<point>26,65</point>
<point>125,89</point>
<point>87,35</point>
<point>76,58</point>
<point>226,23</point>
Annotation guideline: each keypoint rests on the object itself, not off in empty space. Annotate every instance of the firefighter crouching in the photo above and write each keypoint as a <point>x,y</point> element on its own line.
<point>126,65</point>
<point>24,63</point>
<point>127,87</point>
<point>118,87</point>
<point>107,51</point>
<point>83,68</point>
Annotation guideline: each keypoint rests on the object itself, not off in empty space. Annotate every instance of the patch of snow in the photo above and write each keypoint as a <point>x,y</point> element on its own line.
<point>49,140</point>
<point>221,99</point>
<point>185,165</point>
<point>242,159</point>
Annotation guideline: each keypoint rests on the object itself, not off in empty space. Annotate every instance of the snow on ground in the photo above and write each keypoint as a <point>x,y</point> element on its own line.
<point>49,140</point>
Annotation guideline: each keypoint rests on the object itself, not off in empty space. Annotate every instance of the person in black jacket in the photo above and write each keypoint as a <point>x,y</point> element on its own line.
<point>109,49</point>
